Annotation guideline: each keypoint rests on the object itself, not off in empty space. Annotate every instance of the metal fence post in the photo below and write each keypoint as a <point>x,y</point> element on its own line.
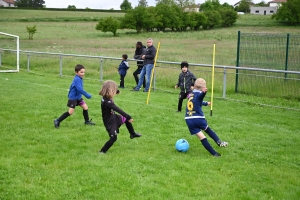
<point>237,61</point>
<point>101,69</point>
<point>60,66</point>
<point>287,53</point>
<point>28,62</point>
<point>154,79</point>
<point>0,58</point>
<point>224,83</point>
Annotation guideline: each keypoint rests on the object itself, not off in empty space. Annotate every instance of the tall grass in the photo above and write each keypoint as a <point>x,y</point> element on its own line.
<point>40,162</point>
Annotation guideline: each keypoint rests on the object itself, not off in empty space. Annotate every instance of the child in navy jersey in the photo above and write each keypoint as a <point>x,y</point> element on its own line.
<point>195,118</point>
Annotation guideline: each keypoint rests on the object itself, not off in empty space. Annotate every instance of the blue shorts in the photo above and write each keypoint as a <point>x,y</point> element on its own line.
<point>195,125</point>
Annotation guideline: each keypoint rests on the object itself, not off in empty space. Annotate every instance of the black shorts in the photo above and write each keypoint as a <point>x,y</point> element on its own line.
<point>74,103</point>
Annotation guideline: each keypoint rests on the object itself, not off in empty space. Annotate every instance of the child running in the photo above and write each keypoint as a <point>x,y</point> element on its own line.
<point>111,120</point>
<point>75,98</point>
<point>195,118</point>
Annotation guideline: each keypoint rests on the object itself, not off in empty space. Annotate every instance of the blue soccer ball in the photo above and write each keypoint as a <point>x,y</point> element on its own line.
<point>182,145</point>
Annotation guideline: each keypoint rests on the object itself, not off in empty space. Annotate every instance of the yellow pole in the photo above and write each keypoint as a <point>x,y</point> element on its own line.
<point>212,81</point>
<point>152,72</point>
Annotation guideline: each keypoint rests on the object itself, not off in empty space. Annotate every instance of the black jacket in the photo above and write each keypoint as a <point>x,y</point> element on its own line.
<point>109,116</point>
<point>150,55</point>
<point>185,81</point>
<point>138,55</point>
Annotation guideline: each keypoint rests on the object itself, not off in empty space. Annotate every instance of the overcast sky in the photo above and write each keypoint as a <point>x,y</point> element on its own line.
<point>108,4</point>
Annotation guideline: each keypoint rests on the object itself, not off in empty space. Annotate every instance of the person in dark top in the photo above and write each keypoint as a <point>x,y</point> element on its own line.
<point>75,98</point>
<point>195,119</point>
<point>186,81</point>
<point>123,67</point>
<point>139,51</point>
<point>111,120</point>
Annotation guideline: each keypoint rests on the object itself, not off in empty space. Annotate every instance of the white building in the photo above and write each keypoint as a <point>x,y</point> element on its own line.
<point>7,3</point>
<point>273,7</point>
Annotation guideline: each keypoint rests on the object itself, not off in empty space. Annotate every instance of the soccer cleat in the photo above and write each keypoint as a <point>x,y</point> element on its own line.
<point>89,122</point>
<point>56,123</point>
<point>217,155</point>
<point>178,110</point>
<point>101,152</point>
<point>145,90</point>
<point>222,143</point>
<point>135,135</point>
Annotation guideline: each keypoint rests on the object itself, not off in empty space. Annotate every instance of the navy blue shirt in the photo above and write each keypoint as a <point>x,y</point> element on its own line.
<point>194,105</point>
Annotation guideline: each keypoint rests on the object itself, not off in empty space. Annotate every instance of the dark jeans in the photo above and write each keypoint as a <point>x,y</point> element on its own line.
<point>182,96</point>
<point>136,77</point>
<point>122,77</point>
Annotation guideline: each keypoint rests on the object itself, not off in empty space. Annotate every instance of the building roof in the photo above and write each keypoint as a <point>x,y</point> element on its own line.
<point>277,1</point>
<point>9,1</point>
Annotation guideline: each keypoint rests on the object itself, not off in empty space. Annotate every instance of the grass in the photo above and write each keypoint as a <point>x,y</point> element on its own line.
<point>41,162</point>
<point>20,15</point>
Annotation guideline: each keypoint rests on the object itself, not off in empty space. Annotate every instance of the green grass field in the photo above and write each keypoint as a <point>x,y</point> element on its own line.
<point>41,162</point>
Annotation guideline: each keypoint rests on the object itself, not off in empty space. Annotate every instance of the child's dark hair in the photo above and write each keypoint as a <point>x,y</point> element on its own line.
<point>78,67</point>
<point>125,56</point>
<point>140,43</point>
<point>184,64</point>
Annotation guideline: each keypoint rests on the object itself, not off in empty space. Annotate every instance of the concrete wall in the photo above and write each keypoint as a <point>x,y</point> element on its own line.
<point>263,10</point>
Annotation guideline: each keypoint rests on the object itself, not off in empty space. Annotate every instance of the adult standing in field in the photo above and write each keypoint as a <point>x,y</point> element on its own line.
<point>139,51</point>
<point>148,58</point>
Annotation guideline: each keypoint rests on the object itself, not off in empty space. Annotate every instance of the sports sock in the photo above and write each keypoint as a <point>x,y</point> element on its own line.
<point>85,115</point>
<point>212,134</point>
<point>207,146</point>
<point>63,116</point>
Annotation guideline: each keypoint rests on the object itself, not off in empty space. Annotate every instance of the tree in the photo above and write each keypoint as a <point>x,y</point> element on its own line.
<point>213,19</point>
<point>71,7</point>
<point>143,3</point>
<point>169,16</point>
<point>108,24</point>
<point>184,3</point>
<point>229,16</point>
<point>226,5</point>
<point>31,30</point>
<point>197,20</point>
<point>139,19</point>
<point>125,5</point>
<point>210,5</point>
<point>289,12</point>
<point>29,3</point>
<point>167,2</point>
<point>244,6</point>
<point>262,3</point>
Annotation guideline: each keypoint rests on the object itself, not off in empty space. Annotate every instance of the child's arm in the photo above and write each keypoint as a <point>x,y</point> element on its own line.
<point>206,103</point>
<point>178,83</point>
<point>113,106</point>
<point>80,89</point>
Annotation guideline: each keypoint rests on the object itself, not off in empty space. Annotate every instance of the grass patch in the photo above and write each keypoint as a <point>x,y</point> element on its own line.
<point>41,162</point>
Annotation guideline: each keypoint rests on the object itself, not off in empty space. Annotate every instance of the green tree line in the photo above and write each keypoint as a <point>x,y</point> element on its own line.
<point>171,17</point>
